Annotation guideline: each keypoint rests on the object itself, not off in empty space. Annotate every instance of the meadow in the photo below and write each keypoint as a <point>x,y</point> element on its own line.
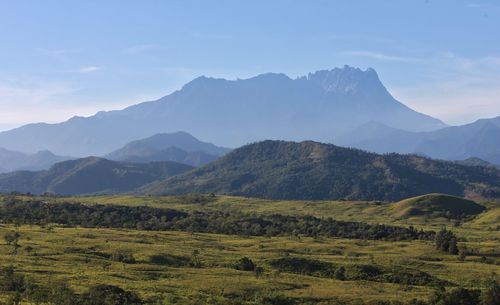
<point>175,267</point>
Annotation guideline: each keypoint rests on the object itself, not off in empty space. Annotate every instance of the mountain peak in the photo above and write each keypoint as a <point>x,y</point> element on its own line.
<point>346,79</point>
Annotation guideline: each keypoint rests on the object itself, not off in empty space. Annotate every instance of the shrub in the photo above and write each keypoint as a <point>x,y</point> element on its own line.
<point>245,264</point>
<point>457,296</point>
<point>168,260</point>
<point>109,295</point>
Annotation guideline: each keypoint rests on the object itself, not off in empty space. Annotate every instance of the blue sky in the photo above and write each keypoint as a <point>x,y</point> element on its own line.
<point>65,58</point>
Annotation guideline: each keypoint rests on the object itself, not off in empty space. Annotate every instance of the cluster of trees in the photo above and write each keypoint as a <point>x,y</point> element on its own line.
<point>355,272</point>
<point>462,296</point>
<point>147,218</point>
<point>446,241</point>
<point>20,290</point>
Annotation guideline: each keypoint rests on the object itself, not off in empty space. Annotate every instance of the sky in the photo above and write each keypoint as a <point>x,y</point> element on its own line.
<point>64,58</point>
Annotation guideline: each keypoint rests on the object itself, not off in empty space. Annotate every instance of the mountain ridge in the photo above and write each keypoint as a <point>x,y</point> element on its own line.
<point>91,175</point>
<point>178,146</point>
<point>316,171</point>
<point>319,106</point>
<point>478,139</point>
<point>15,160</point>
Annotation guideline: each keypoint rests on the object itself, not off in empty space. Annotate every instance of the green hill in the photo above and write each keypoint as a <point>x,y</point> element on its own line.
<point>311,170</point>
<point>89,176</point>
<point>437,205</point>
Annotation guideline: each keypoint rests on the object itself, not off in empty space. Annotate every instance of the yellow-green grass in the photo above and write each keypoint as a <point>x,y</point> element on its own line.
<point>484,226</point>
<point>55,259</point>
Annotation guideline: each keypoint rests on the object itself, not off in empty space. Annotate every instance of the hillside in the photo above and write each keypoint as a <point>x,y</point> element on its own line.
<point>89,176</point>
<point>14,160</point>
<point>319,106</point>
<point>311,170</point>
<point>179,147</point>
<point>478,139</point>
<point>437,205</point>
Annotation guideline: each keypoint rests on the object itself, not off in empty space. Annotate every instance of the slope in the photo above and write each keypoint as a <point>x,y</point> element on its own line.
<point>89,176</point>
<point>311,170</point>
<point>179,147</point>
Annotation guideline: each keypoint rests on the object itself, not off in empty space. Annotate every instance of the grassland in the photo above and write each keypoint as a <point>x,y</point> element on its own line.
<point>82,257</point>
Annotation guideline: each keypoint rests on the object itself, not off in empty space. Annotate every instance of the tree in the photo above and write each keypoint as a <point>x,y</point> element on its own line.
<point>12,239</point>
<point>245,264</point>
<point>446,241</point>
<point>453,249</point>
<point>462,253</point>
<point>457,296</point>
<point>109,295</point>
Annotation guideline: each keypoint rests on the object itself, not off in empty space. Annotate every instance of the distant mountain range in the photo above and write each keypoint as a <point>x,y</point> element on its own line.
<point>319,106</point>
<point>480,139</point>
<point>268,169</point>
<point>90,175</point>
<point>311,170</point>
<point>14,160</point>
<point>179,147</point>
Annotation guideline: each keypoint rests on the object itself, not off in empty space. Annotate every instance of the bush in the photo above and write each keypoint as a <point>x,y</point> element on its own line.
<point>168,260</point>
<point>109,295</point>
<point>457,296</point>
<point>245,264</point>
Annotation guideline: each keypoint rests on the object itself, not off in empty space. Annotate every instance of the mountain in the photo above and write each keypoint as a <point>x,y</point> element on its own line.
<point>479,139</point>
<point>90,175</point>
<point>473,161</point>
<point>179,147</point>
<point>13,160</point>
<point>311,170</point>
<point>319,106</point>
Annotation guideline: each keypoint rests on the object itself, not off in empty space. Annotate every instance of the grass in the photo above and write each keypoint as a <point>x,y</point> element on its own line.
<point>81,256</point>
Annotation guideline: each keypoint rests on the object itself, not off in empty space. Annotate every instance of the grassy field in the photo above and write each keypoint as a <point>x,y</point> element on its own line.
<point>83,257</point>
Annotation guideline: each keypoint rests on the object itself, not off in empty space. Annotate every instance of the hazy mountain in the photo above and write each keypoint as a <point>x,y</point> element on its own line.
<point>473,161</point>
<point>90,175</point>
<point>318,106</point>
<point>311,170</point>
<point>480,139</point>
<point>179,147</point>
<point>13,160</point>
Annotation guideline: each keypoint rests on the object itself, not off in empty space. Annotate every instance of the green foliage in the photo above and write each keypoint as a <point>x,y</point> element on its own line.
<point>109,295</point>
<point>168,260</point>
<point>147,218</point>
<point>456,296</point>
<point>446,241</point>
<point>355,272</point>
<point>311,170</point>
<point>245,264</point>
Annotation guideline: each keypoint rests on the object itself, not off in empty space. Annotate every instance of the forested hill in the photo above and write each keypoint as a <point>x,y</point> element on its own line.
<point>89,176</point>
<point>311,170</point>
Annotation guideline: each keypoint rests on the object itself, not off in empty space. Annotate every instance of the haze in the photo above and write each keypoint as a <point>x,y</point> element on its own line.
<point>60,59</point>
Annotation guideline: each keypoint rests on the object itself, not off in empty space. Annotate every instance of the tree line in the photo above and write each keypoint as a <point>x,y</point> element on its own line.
<point>39,212</point>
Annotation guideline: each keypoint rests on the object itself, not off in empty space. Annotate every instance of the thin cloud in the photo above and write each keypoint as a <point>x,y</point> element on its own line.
<point>139,48</point>
<point>89,69</point>
<point>52,52</point>
<point>379,56</point>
